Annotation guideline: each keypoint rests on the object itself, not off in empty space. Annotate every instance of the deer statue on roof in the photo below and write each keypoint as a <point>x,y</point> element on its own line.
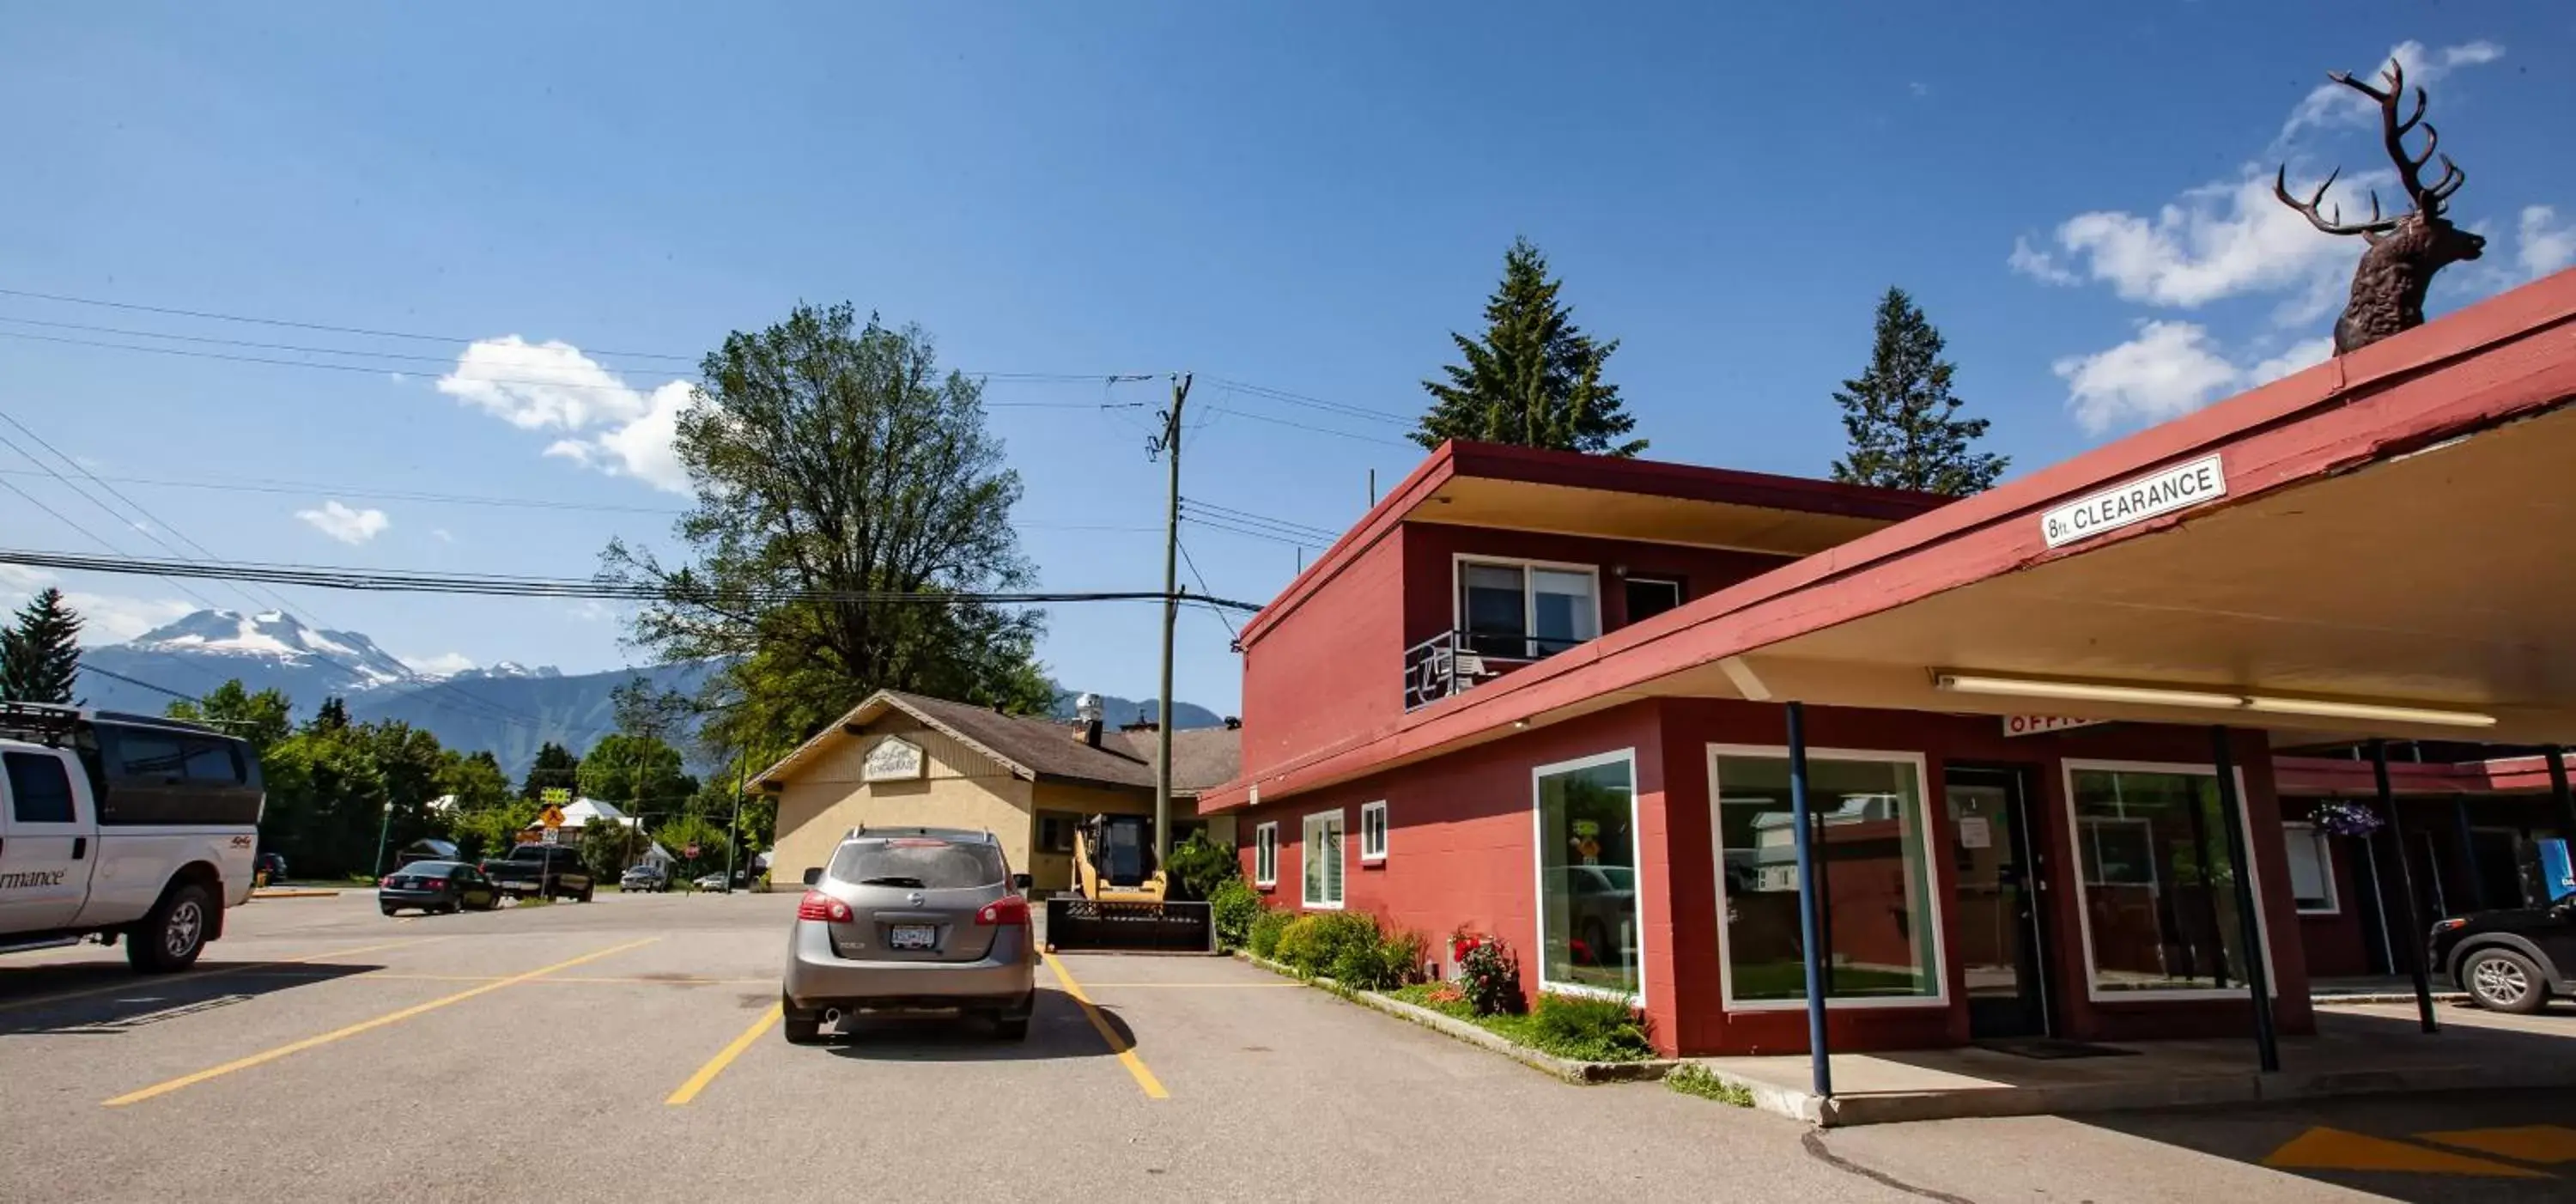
<point>2388,285</point>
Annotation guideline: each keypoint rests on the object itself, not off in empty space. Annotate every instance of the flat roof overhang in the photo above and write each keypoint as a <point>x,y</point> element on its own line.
<point>2398,529</point>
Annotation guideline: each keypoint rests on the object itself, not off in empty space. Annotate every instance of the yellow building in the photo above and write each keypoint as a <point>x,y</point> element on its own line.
<point>905,759</point>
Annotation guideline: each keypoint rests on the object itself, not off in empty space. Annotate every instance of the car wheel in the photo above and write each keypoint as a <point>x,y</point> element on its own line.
<point>2502,980</point>
<point>802,1028</point>
<point>174,932</point>
<point>388,910</point>
<point>587,892</point>
<point>1010,1028</point>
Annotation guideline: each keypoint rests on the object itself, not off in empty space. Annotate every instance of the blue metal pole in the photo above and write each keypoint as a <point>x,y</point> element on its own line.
<point>1810,906</point>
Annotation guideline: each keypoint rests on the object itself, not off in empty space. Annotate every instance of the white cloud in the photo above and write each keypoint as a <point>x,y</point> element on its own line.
<point>2332,104</point>
<point>592,610</point>
<point>344,524</point>
<point>2548,245</point>
<point>607,424</point>
<point>2168,370</point>
<point>1919,89</point>
<point>2038,264</point>
<point>442,534</point>
<point>105,618</point>
<point>2216,241</point>
<point>445,664</point>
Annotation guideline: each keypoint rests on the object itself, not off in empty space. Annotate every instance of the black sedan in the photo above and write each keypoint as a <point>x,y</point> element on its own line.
<point>2510,961</point>
<point>436,886</point>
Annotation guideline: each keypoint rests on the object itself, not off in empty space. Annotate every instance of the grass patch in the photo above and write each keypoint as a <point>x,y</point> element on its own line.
<point>1581,1030</point>
<point>1691,1078</point>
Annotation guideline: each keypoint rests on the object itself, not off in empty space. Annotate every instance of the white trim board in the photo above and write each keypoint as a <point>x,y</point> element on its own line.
<point>1538,876</point>
<point>2066,770</point>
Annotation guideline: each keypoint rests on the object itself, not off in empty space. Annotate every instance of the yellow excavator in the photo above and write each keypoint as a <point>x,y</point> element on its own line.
<point>1121,900</point>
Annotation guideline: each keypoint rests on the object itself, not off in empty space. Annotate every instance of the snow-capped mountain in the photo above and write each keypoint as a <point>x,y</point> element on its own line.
<point>275,636</point>
<point>505,670</point>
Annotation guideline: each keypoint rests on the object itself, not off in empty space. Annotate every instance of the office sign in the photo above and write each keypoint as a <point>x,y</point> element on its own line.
<point>2178,488</point>
<point>2032,725</point>
<point>892,760</point>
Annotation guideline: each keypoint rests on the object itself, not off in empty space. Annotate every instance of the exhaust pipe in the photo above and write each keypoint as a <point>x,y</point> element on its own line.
<point>832,1016</point>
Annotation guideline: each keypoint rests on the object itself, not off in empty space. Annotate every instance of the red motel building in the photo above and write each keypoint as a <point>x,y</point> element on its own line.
<point>2055,744</point>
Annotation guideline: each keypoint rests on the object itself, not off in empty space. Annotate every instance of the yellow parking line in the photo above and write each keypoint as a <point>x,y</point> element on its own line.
<point>724,1057</point>
<point>295,1047</point>
<point>132,984</point>
<point>1100,1024</point>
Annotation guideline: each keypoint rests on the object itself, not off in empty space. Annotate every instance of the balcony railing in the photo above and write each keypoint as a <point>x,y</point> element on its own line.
<point>1454,662</point>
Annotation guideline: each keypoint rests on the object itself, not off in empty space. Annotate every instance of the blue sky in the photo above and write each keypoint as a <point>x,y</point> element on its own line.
<point>1307,198</point>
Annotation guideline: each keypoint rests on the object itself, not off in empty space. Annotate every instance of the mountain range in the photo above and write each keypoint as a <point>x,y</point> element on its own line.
<point>510,709</point>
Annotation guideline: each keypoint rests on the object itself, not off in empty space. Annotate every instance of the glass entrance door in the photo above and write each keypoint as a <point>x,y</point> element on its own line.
<point>2000,936</point>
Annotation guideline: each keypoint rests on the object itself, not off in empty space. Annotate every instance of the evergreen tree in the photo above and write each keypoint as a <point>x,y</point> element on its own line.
<point>40,651</point>
<point>1901,418</point>
<point>332,717</point>
<point>555,766</point>
<point>1534,379</point>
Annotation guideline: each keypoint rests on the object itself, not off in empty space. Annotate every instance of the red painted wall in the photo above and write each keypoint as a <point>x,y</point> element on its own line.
<point>1430,586</point>
<point>1333,673</point>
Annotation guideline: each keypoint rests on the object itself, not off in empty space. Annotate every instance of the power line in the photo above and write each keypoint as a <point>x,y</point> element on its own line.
<point>1316,403</point>
<point>1272,536</point>
<point>1276,421</point>
<point>1201,578</point>
<point>86,667</point>
<point>525,586</point>
<point>1246,516</point>
<point>357,330</point>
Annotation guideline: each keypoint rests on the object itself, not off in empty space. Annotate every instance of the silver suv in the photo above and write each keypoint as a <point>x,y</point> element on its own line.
<point>911,919</point>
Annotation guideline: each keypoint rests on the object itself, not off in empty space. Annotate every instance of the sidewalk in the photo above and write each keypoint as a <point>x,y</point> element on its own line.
<point>2360,1049</point>
<point>2397,988</point>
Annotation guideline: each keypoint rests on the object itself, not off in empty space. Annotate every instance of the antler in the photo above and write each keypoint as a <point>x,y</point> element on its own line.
<point>2428,200</point>
<point>2334,224</point>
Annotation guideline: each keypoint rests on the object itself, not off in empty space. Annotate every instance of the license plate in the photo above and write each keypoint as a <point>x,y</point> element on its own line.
<point>912,936</point>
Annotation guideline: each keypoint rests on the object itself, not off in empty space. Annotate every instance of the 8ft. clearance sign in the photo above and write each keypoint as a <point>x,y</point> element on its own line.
<point>2176,488</point>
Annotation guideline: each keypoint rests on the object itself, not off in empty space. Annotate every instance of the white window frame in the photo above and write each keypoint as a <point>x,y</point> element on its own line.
<point>1458,563</point>
<point>2324,844</point>
<point>1931,926</point>
<point>1306,858</point>
<point>2067,770</point>
<point>1538,875</point>
<point>1377,811</point>
<point>1265,854</point>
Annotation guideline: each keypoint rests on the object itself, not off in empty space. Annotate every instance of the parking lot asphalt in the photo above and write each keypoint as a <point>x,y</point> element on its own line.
<point>629,1049</point>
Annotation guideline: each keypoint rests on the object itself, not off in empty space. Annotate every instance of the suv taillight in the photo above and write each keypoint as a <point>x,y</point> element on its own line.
<point>819,906</point>
<point>386,881</point>
<point>1009,910</point>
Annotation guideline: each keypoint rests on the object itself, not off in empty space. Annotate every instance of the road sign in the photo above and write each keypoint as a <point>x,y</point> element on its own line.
<point>553,836</point>
<point>551,817</point>
<point>690,852</point>
<point>529,838</point>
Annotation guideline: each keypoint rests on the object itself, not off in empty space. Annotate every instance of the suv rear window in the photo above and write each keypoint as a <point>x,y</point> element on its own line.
<point>919,864</point>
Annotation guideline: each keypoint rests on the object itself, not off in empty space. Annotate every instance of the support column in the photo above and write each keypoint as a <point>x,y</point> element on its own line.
<point>2468,853</point>
<point>2232,815</point>
<point>2416,934</point>
<point>1810,901</point>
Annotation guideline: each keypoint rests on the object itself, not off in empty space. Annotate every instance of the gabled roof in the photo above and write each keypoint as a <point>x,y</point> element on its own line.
<point>1034,747</point>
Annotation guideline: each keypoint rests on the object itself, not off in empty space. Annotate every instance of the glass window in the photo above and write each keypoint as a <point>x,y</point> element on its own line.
<point>40,791</point>
<point>1587,863</point>
<point>1562,613</point>
<point>1265,854</point>
<point>1648,597</point>
<point>1492,603</point>
<point>918,864</point>
<point>1373,832</point>
<point>144,754</point>
<point>2159,887</point>
<point>1324,859</point>
<point>1525,611</point>
<point>2311,868</point>
<point>1871,870</point>
<point>211,761</point>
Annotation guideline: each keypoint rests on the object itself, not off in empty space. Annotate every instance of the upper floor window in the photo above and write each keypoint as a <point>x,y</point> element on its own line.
<point>1527,609</point>
<point>1651,596</point>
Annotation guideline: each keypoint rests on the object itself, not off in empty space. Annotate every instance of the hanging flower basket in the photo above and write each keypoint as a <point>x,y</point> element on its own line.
<point>2342,817</point>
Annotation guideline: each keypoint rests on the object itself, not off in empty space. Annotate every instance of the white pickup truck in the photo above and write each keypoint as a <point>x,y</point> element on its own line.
<point>122,827</point>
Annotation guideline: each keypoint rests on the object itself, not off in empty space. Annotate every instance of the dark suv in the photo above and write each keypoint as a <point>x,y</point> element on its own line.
<point>2510,961</point>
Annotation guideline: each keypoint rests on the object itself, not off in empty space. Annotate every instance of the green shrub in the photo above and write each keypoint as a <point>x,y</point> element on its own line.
<point>1691,1078</point>
<point>1318,941</point>
<point>1267,928</point>
<point>1199,866</point>
<point>1236,908</point>
<point>1384,964</point>
<point>1491,979</point>
<point>1589,1029</point>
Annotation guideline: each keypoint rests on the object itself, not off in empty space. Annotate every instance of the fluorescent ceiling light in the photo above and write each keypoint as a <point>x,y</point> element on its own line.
<point>2024,687</point>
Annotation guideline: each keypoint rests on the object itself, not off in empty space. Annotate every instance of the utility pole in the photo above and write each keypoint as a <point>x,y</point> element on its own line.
<point>1170,447</point>
<point>733,835</point>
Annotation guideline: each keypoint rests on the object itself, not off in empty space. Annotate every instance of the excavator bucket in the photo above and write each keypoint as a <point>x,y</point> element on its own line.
<point>1078,925</point>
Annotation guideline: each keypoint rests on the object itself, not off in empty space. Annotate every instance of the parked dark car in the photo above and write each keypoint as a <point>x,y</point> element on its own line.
<point>644,879</point>
<point>271,864</point>
<point>552,871</point>
<point>2510,961</point>
<point>436,887</point>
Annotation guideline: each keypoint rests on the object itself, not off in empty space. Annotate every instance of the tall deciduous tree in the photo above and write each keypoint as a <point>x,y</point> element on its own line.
<point>1534,378</point>
<point>1901,418</point>
<point>263,719</point>
<point>40,651</point>
<point>637,773</point>
<point>827,455</point>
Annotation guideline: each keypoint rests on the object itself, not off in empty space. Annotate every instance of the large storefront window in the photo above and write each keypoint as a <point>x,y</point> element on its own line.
<point>2159,886</point>
<point>1587,872</point>
<point>1880,929</point>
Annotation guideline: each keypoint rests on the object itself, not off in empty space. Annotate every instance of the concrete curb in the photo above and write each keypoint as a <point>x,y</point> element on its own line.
<point>296,894</point>
<point>1578,1073</point>
<point>2356,1000</point>
<point>1898,1107</point>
